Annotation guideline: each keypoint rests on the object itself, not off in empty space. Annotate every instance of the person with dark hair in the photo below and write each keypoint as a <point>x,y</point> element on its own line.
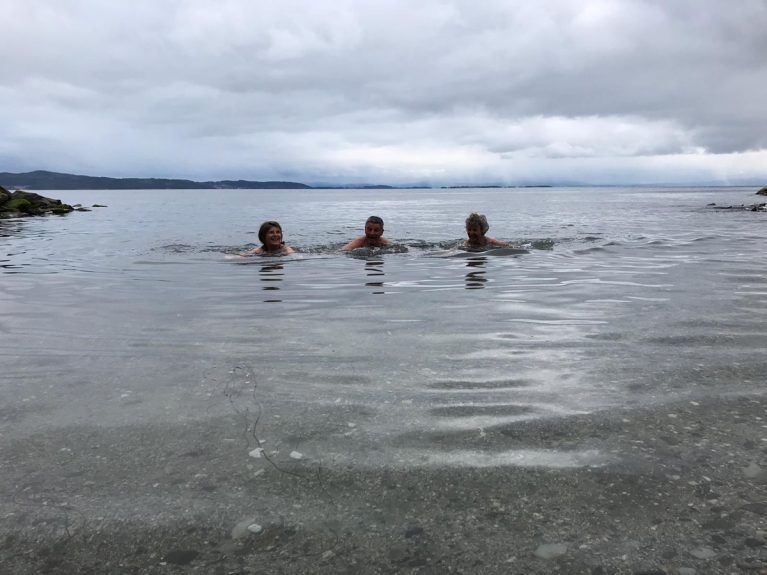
<point>373,237</point>
<point>270,236</point>
<point>476,228</point>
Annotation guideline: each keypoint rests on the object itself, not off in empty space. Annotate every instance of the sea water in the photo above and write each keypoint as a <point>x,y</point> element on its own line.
<point>612,297</point>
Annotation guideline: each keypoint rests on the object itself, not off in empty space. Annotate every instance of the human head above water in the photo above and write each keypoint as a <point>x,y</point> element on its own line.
<point>264,229</point>
<point>374,228</point>
<point>374,220</point>
<point>478,221</point>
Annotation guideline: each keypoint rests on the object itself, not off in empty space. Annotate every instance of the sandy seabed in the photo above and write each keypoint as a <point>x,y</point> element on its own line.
<point>684,491</point>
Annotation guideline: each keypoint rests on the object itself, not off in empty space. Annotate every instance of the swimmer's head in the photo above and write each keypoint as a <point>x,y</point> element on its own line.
<point>478,220</point>
<point>270,233</point>
<point>374,228</point>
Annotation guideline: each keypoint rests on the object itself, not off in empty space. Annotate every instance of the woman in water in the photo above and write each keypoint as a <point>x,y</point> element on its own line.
<point>476,228</point>
<point>270,235</point>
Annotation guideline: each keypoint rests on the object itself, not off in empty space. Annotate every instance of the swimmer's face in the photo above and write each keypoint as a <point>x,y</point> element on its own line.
<point>475,234</point>
<point>373,232</point>
<point>273,238</point>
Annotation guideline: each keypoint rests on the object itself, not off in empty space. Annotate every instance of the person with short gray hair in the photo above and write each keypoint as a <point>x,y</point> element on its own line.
<point>476,228</point>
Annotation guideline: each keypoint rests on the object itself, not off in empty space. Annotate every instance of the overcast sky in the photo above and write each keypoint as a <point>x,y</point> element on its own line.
<point>387,91</point>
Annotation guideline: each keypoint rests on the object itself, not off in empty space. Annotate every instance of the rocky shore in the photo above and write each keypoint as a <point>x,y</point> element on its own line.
<point>21,204</point>
<point>683,492</point>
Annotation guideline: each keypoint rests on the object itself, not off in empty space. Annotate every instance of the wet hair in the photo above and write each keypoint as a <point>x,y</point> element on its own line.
<point>478,220</point>
<point>375,220</point>
<point>264,229</point>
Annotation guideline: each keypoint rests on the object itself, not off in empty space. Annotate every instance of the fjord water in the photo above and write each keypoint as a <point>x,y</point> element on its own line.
<point>138,313</point>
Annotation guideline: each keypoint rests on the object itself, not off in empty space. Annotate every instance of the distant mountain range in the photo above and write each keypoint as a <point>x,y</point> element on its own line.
<point>42,180</point>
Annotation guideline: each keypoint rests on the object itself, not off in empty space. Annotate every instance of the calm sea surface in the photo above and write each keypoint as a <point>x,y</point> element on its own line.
<point>137,312</point>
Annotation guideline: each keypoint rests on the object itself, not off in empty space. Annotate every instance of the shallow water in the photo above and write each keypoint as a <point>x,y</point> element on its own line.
<point>138,313</point>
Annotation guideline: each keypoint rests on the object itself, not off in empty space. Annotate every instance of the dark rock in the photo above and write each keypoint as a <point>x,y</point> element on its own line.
<point>754,542</point>
<point>669,553</point>
<point>760,508</point>
<point>98,206</point>
<point>413,532</point>
<point>670,439</point>
<point>751,564</point>
<point>21,203</point>
<point>718,539</point>
<point>719,523</point>
<point>762,192</point>
<point>749,208</point>
<point>181,556</point>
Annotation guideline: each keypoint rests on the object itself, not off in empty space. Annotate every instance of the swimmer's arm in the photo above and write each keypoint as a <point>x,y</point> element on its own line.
<point>287,250</point>
<point>497,243</point>
<point>354,244</point>
<point>253,252</point>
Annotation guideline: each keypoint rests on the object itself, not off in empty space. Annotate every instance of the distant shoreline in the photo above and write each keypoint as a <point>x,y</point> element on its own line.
<point>45,180</point>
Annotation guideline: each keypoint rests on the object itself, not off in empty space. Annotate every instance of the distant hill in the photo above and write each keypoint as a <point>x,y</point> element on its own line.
<point>42,180</point>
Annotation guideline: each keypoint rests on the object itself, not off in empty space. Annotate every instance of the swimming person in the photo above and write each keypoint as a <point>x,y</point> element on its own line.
<point>270,236</point>
<point>476,228</point>
<point>373,237</point>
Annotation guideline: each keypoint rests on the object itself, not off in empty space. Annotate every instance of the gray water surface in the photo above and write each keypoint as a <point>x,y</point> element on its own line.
<point>137,313</point>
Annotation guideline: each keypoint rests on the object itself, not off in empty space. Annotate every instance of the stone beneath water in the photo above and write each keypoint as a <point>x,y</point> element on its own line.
<point>181,556</point>
<point>245,528</point>
<point>703,553</point>
<point>21,204</point>
<point>551,550</point>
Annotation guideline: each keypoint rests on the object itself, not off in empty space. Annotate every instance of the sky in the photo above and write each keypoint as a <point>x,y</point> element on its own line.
<point>433,92</point>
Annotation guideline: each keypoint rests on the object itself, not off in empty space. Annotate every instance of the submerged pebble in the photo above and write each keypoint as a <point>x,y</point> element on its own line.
<point>551,550</point>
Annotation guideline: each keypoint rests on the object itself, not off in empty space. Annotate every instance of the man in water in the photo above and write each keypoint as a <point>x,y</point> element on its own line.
<point>373,237</point>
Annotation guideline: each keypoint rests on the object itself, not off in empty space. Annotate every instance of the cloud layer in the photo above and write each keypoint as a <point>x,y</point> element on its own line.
<point>387,91</point>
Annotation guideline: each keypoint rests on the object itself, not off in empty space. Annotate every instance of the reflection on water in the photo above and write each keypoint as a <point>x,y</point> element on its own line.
<point>374,268</point>
<point>118,317</point>
<point>271,274</point>
<point>475,279</point>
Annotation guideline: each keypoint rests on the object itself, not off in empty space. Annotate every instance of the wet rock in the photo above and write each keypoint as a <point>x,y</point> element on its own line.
<point>21,204</point>
<point>181,556</point>
<point>753,471</point>
<point>551,550</point>
<point>760,508</point>
<point>717,539</point>
<point>750,207</point>
<point>752,565</point>
<point>685,571</point>
<point>412,532</point>
<point>754,542</point>
<point>703,553</point>
<point>242,529</point>
<point>719,523</point>
<point>762,192</point>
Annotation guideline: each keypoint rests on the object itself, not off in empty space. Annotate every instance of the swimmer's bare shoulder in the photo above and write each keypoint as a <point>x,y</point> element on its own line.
<point>359,242</point>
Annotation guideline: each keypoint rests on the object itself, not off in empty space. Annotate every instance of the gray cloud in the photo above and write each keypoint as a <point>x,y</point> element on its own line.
<point>435,91</point>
